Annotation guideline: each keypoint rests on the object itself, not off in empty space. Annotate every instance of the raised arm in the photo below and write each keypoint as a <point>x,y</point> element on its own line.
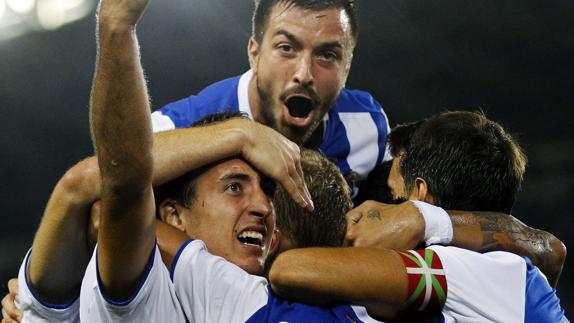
<point>122,136</point>
<point>398,227</point>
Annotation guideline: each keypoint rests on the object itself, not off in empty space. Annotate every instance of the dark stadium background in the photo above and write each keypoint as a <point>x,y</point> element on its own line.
<point>513,59</point>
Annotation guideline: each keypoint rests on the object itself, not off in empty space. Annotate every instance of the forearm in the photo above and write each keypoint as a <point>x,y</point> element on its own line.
<point>375,278</point>
<point>60,251</point>
<point>120,118</point>
<point>489,231</point>
<point>179,151</point>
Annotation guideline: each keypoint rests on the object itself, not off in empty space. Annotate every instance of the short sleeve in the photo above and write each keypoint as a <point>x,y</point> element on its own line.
<point>36,310</point>
<point>153,301</point>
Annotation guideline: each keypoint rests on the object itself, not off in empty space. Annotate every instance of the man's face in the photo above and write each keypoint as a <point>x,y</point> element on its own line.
<point>232,213</point>
<point>396,181</point>
<point>300,67</point>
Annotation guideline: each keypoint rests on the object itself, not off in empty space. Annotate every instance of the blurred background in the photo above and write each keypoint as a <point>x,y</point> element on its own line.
<point>513,59</point>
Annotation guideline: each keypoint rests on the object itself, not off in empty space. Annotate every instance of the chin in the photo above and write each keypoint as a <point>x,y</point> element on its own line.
<point>253,268</point>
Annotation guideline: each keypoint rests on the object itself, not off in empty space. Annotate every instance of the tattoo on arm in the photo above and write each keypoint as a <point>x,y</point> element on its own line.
<point>374,214</point>
<point>503,232</point>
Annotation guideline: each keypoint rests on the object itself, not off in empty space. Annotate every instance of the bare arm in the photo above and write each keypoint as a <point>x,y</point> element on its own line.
<point>122,136</point>
<point>60,252</point>
<point>397,227</point>
<point>488,231</point>
<point>266,149</point>
<point>374,278</point>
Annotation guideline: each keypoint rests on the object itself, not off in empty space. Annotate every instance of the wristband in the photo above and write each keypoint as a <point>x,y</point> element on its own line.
<point>438,227</point>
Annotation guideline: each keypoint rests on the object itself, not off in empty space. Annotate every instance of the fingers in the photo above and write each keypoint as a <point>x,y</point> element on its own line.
<point>10,313</point>
<point>13,286</point>
<point>353,217</point>
<point>7,318</point>
<point>279,158</point>
<point>296,186</point>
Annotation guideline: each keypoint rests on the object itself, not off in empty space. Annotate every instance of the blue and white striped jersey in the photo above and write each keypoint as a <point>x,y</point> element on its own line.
<point>355,129</point>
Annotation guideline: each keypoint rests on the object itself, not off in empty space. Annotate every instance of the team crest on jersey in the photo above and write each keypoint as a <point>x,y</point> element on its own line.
<point>427,281</point>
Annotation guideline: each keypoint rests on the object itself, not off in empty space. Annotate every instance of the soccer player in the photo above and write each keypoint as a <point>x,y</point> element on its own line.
<point>481,230</point>
<point>466,152</point>
<point>300,54</point>
<point>118,93</point>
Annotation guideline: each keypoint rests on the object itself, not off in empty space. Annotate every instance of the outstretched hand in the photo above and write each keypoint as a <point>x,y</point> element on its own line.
<point>390,226</point>
<point>11,313</point>
<point>279,158</point>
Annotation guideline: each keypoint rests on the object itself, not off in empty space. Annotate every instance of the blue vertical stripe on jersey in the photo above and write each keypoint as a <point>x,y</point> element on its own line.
<point>542,304</point>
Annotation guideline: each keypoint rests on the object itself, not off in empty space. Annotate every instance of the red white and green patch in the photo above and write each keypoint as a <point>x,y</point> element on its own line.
<point>427,281</point>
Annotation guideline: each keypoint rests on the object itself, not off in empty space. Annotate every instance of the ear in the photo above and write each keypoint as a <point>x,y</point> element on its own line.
<point>253,53</point>
<point>275,242</point>
<point>170,213</point>
<point>421,191</point>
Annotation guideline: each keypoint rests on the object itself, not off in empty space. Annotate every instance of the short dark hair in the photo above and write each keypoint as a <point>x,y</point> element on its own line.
<point>375,186</point>
<point>182,188</point>
<point>468,161</point>
<point>331,195</point>
<point>400,137</point>
<point>263,9</point>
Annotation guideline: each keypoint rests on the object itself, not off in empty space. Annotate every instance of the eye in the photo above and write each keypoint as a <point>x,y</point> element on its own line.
<point>329,56</point>
<point>285,48</point>
<point>233,187</point>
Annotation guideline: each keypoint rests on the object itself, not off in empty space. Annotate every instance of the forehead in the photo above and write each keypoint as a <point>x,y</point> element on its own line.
<point>329,25</point>
<point>227,167</point>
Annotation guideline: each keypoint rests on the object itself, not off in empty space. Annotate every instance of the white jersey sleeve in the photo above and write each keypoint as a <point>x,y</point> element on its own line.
<point>211,289</point>
<point>35,310</point>
<point>483,287</point>
<point>153,301</point>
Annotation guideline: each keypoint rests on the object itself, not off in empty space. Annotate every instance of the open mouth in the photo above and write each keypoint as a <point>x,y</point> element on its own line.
<point>299,106</point>
<point>251,238</point>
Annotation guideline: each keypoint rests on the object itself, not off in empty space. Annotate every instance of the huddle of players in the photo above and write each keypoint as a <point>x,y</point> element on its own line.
<point>218,191</point>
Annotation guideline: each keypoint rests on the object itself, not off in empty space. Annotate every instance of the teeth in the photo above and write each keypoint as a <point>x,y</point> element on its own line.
<point>252,235</point>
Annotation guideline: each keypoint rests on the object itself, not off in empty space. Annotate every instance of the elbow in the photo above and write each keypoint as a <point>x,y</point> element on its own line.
<point>558,257</point>
<point>559,251</point>
<point>81,181</point>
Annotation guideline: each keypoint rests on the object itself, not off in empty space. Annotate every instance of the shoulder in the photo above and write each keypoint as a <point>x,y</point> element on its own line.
<point>492,285</point>
<point>350,100</point>
<point>211,289</point>
<point>154,291</point>
<point>357,110</point>
<point>217,97</point>
<point>222,92</point>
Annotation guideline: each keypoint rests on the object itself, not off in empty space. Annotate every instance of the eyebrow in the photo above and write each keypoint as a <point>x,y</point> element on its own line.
<point>236,176</point>
<point>294,40</point>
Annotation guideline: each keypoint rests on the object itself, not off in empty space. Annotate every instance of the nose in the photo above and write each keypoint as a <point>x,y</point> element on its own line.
<point>260,205</point>
<point>304,72</point>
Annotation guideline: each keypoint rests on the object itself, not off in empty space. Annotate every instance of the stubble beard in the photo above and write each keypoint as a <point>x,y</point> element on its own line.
<point>295,134</point>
